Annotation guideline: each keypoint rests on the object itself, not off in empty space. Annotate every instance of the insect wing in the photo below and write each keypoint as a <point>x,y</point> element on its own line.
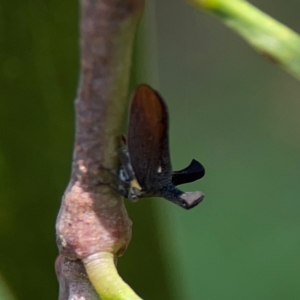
<point>147,137</point>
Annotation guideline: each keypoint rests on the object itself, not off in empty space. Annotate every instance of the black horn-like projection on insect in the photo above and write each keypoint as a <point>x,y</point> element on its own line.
<point>146,165</point>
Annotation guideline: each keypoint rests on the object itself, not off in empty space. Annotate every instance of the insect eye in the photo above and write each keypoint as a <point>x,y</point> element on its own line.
<point>122,175</point>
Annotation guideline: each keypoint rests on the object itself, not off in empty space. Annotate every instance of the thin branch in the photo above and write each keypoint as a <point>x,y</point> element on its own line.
<point>74,283</point>
<point>269,37</point>
<point>93,222</point>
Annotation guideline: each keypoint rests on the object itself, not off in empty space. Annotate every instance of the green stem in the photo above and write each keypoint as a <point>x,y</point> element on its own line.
<point>105,278</point>
<point>269,37</point>
<point>4,291</point>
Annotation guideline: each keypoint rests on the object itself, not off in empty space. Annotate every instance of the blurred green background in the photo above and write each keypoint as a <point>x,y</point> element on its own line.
<point>229,108</point>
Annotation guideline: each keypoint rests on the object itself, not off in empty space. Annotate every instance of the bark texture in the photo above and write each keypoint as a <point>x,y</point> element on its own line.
<point>92,217</point>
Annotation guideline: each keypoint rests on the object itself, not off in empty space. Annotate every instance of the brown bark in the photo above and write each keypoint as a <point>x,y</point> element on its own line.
<point>73,280</point>
<point>92,217</point>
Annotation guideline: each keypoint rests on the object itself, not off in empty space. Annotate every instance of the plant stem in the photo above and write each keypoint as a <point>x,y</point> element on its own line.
<point>93,221</point>
<point>273,40</point>
<point>105,278</point>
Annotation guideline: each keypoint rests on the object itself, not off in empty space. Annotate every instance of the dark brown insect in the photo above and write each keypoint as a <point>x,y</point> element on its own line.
<point>146,165</point>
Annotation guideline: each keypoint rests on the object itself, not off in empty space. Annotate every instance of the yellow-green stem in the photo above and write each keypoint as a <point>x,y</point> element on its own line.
<point>105,278</point>
<point>269,37</point>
